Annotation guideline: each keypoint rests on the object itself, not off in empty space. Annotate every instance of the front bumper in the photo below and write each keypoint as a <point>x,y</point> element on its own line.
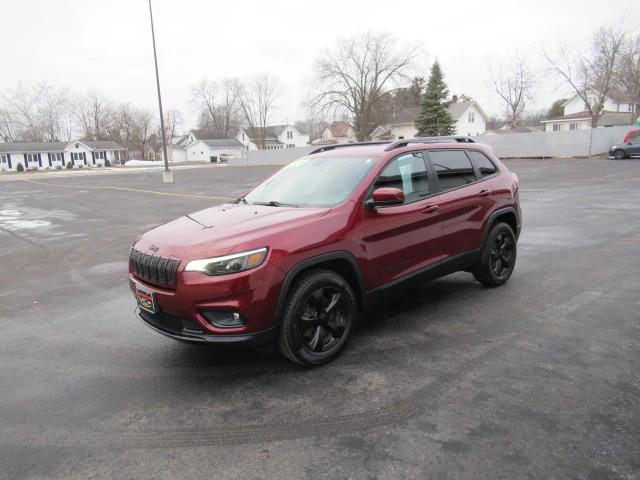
<point>173,327</point>
<point>253,294</point>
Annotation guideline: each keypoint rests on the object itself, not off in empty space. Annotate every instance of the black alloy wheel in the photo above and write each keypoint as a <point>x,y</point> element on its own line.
<point>323,320</point>
<point>318,317</point>
<point>498,256</point>
<point>502,254</point>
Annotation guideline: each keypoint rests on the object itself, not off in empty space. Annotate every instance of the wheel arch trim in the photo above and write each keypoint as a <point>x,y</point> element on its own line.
<point>318,260</point>
<point>492,218</point>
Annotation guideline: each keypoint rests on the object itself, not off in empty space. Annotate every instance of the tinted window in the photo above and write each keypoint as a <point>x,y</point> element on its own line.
<point>485,165</point>
<point>453,168</point>
<point>408,173</point>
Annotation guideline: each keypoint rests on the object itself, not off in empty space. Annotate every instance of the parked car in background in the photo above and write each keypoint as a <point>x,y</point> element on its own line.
<point>626,150</point>
<point>630,135</point>
<point>295,259</point>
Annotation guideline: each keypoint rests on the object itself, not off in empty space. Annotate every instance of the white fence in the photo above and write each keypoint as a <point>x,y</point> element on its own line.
<point>271,157</point>
<point>571,143</point>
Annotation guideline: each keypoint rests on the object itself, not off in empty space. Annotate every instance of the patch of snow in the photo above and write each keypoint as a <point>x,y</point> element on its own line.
<point>10,213</point>
<point>143,163</point>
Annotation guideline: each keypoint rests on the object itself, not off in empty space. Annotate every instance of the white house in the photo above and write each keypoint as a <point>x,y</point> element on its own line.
<point>215,150</point>
<point>204,146</point>
<point>178,149</point>
<point>43,155</point>
<point>469,117</point>
<point>618,109</point>
<point>339,131</point>
<point>276,137</point>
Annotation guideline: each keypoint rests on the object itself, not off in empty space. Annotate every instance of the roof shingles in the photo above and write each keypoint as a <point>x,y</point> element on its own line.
<point>40,147</point>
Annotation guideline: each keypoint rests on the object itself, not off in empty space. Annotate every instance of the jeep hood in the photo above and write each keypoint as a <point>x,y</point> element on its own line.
<point>217,230</point>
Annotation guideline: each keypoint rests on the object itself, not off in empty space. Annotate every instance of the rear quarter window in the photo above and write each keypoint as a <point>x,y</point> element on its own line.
<point>485,166</point>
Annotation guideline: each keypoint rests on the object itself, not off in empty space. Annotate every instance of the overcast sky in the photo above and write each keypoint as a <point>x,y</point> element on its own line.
<point>106,44</point>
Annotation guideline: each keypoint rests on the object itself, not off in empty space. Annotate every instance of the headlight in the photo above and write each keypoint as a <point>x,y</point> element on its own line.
<point>236,262</point>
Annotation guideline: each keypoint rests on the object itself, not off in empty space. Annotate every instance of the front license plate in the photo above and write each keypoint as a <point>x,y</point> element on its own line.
<point>146,299</point>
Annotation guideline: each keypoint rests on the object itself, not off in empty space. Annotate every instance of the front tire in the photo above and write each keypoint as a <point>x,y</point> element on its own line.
<point>498,257</point>
<point>619,155</point>
<point>318,318</point>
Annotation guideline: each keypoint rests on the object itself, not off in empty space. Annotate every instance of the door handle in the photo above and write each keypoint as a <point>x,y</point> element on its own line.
<point>430,209</point>
<point>484,193</point>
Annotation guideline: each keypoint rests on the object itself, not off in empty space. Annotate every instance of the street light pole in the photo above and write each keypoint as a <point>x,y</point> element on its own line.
<point>167,175</point>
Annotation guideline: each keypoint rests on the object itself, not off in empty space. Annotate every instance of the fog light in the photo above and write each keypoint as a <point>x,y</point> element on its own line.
<point>223,318</point>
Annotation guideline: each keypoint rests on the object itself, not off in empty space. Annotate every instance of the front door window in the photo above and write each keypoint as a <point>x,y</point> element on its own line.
<point>407,173</point>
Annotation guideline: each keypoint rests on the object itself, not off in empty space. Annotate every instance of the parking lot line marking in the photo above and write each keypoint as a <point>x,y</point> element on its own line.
<point>127,189</point>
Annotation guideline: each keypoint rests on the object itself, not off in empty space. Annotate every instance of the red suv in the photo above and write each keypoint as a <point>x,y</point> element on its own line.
<point>295,259</point>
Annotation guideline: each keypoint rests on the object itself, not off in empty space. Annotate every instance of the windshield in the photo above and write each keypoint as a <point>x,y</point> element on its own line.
<point>313,182</point>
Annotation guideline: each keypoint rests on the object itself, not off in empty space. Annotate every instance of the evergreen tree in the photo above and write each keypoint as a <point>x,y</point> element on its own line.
<point>557,109</point>
<point>434,118</point>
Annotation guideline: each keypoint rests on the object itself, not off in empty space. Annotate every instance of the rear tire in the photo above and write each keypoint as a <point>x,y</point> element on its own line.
<point>318,318</point>
<point>619,155</point>
<point>498,257</point>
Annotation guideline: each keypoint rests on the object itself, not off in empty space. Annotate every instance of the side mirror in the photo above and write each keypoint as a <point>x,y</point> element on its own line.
<point>385,196</point>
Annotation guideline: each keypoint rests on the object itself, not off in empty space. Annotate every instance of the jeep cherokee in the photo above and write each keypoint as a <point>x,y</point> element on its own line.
<point>295,259</point>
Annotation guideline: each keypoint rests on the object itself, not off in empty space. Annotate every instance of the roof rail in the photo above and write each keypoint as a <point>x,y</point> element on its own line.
<point>446,139</point>
<point>326,148</point>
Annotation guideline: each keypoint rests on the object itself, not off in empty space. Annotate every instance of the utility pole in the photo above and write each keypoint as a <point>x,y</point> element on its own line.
<point>167,175</point>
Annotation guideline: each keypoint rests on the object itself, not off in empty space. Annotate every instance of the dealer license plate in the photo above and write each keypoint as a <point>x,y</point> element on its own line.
<point>146,299</point>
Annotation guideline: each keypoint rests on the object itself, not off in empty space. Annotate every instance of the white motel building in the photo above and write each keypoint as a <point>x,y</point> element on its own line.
<point>41,156</point>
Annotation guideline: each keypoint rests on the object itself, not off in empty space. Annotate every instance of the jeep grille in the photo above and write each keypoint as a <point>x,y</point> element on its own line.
<point>153,268</point>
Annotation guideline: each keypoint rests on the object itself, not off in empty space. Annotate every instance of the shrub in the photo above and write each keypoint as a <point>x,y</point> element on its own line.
<point>70,165</point>
<point>107,163</point>
<point>58,167</point>
<point>20,168</point>
<point>80,166</point>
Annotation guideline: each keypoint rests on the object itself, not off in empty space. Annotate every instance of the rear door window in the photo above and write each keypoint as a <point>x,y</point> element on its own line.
<point>453,168</point>
<point>484,165</point>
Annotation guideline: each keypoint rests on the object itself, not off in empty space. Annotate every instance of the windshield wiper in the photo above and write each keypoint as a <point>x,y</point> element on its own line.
<point>275,203</point>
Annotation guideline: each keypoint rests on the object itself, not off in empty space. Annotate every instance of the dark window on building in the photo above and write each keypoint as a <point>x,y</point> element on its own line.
<point>453,168</point>
<point>485,165</point>
<point>407,173</point>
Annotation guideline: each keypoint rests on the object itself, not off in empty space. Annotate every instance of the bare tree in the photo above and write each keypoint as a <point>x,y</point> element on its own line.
<point>513,83</point>
<point>312,126</point>
<point>628,72</point>
<point>9,125</point>
<point>256,98</point>
<point>357,74</point>
<point>143,131</point>
<point>94,113</point>
<point>38,113</point>
<point>218,105</point>
<point>592,75</point>
<point>20,114</point>
<point>173,120</point>
<point>134,129</point>
<point>123,128</point>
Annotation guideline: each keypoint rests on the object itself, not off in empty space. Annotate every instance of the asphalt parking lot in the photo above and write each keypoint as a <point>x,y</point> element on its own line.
<point>537,379</point>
